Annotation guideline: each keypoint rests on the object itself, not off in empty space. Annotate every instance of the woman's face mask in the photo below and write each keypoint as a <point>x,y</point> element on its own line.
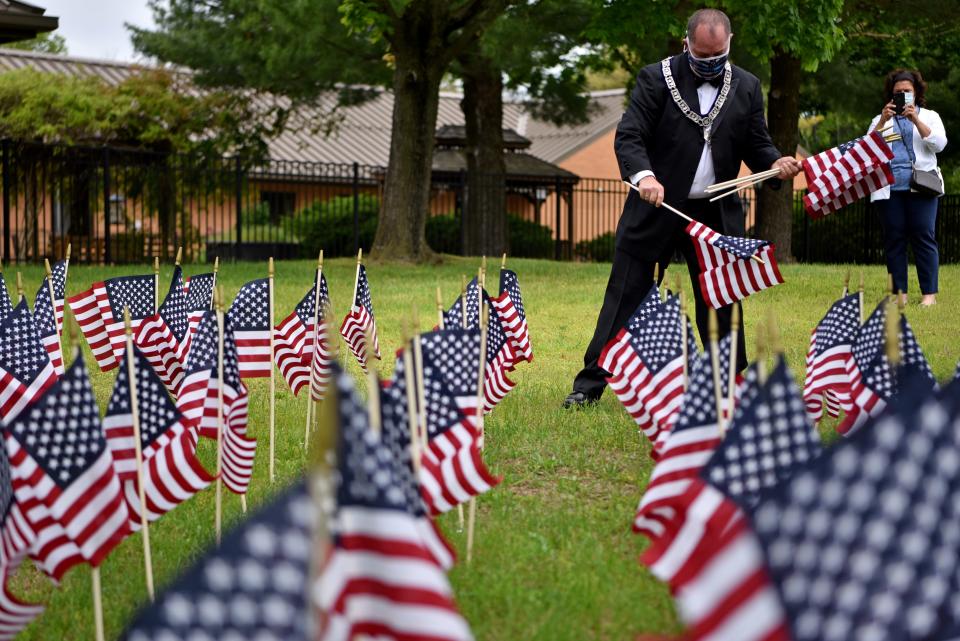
<point>707,68</point>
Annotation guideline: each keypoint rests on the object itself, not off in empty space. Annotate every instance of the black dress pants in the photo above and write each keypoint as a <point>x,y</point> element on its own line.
<point>631,278</point>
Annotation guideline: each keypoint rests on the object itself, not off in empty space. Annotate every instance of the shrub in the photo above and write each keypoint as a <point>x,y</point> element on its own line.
<point>598,249</point>
<point>529,239</point>
<point>328,225</point>
<point>443,233</point>
<point>258,214</point>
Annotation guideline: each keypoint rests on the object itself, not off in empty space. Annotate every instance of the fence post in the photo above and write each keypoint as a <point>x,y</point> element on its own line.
<point>238,175</point>
<point>462,193</point>
<point>806,230</point>
<point>6,200</point>
<point>356,207</point>
<point>556,192</point>
<point>570,222</point>
<point>106,206</point>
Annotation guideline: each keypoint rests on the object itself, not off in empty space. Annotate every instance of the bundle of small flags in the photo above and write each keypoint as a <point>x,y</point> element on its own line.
<point>844,174</point>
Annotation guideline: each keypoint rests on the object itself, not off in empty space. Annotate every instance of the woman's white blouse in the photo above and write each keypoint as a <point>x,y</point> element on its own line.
<point>925,149</point>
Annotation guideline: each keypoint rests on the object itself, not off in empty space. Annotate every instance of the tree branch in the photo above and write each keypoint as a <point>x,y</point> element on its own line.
<point>474,18</point>
<point>386,8</point>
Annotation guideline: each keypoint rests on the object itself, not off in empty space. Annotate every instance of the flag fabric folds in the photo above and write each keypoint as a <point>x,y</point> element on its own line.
<point>646,364</point>
<point>873,381</point>
<point>163,338</point>
<point>831,345</point>
<point>57,448</point>
<point>99,312</point>
<point>48,315</point>
<point>380,580</point>
<point>844,174</point>
<point>199,398</point>
<point>301,343</point>
<point>171,471</point>
<point>454,355</point>
<point>509,305</point>
<point>728,271</point>
<point>25,368</point>
<point>360,320</point>
<point>250,316</point>
<point>255,585</point>
<point>199,298</point>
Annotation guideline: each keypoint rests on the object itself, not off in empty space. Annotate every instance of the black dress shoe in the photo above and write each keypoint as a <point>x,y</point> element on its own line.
<point>578,399</point>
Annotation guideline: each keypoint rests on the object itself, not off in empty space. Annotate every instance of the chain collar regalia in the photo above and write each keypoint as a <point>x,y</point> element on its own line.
<point>704,122</point>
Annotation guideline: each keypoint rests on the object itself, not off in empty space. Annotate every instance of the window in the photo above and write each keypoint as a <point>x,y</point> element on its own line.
<point>279,203</point>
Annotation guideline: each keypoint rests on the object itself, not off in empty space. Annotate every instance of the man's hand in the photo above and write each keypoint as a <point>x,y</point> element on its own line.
<point>651,190</point>
<point>788,166</point>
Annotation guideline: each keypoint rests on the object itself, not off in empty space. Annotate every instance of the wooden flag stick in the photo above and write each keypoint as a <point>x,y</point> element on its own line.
<point>683,330</point>
<point>67,256</point>
<point>846,283</point>
<point>216,270</point>
<point>356,280</point>
<point>156,284</point>
<point>20,294</point>
<point>749,178</point>
<point>373,387</point>
<point>463,301</point>
<point>715,362</point>
<point>861,297</point>
<point>316,346</point>
<point>740,188</point>
<point>471,523</point>
<point>53,306</point>
<point>483,270</point>
<point>440,322</point>
<point>892,333</point>
<point>503,261</point>
<point>684,216</point>
<point>421,390</point>
<point>409,377</point>
<point>734,345</point>
<point>138,451</point>
<point>273,373</point>
<point>218,303</point>
<point>97,602</point>
<point>176,263</point>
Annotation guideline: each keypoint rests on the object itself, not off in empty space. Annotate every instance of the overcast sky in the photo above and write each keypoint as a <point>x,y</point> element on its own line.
<point>94,28</point>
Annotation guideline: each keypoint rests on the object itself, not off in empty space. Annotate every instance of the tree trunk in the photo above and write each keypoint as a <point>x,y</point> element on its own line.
<point>485,215</point>
<point>775,207</point>
<point>406,200</point>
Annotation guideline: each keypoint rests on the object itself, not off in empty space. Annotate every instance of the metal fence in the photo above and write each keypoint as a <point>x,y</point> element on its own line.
<point>116,205</point>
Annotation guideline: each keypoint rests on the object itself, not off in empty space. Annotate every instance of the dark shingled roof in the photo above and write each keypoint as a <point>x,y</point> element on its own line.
<point>363,133</point>
<point>22,21</point>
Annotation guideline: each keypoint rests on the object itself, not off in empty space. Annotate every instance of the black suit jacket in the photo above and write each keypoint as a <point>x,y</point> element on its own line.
<point>655,135</point>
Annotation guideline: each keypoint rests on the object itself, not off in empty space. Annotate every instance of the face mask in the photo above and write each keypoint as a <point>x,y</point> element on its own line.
<point>707,68</point>
<point>907,97</point>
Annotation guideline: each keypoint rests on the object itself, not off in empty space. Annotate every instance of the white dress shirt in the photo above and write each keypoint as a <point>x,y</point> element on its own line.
<point>924,149</point>
<point>705,176</point>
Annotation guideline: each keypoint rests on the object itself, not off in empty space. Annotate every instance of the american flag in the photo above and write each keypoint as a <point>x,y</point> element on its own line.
<point>250,316</point>
<point>769,438</point>
<point>294,340</point>
<point>873,381</point>
<point>466,307</point>
<point>687,447</point>
<point>509,305</point>
<point>831,342</point>
<point>727,271</point>
<point>199,292</point>
<point>359,320</point>
<point>381,579</point>
<point>454,354</point>
<point>17,536</point>
<point>163,337</point>
<point>500,360</point>
<point>49,326</point>
<point>646,364</point>
<point>171,471</point>
<point>861,544</point>
<point>199,398</point>
<point>25,368</point>
<point>99,312</point>
<point>451,468</point>
<point>844,174</point>
<point>5,305</point>
<point>57,446</point>
<point>255,585</point>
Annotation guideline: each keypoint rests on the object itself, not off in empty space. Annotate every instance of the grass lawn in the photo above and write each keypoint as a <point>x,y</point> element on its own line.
<point>555,558</point>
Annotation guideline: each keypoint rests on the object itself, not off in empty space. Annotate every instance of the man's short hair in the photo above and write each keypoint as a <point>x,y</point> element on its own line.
<point>711,17</point>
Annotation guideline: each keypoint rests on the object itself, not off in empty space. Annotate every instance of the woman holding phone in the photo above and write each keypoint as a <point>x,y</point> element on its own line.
<point>908,207</point>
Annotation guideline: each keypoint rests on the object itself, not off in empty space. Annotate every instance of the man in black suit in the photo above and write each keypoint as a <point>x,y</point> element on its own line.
<point>672,145</point>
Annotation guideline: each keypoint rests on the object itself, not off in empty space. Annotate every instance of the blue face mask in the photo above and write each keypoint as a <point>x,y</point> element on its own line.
<point>707,68</point>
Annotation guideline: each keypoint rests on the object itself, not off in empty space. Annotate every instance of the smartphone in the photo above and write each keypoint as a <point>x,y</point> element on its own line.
<point>899,102</point>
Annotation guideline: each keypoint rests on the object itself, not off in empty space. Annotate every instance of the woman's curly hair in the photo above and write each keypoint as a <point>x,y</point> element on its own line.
<point>919,86</point>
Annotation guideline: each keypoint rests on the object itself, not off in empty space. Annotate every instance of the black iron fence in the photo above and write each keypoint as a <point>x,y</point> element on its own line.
<point>116,205</point>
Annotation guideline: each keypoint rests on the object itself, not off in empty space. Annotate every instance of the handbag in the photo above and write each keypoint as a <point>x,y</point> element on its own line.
<point>926,182</point>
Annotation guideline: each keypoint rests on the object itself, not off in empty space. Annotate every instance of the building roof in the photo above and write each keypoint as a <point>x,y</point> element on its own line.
<point>363,132</point>
<point>22,21</point>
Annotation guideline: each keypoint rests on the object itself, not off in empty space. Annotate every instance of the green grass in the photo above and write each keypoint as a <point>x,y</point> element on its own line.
<point>554,557</point>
